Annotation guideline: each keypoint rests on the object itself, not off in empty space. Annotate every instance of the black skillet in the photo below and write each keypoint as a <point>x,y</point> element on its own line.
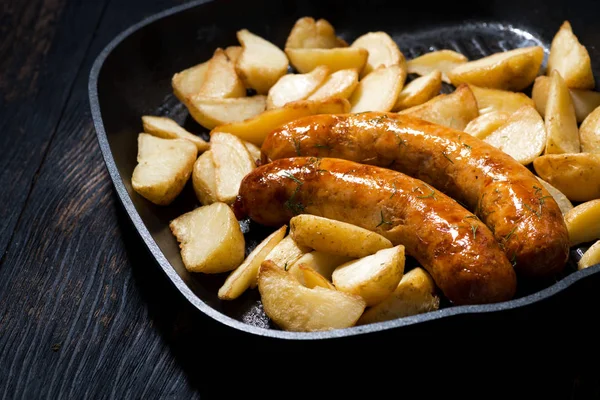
<point>131,78</point>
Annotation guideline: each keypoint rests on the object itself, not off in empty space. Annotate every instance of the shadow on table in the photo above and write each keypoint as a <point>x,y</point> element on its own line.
<point>544,352</point>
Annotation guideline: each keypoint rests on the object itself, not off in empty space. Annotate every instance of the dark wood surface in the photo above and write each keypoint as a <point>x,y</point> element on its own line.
<point>85,312</point>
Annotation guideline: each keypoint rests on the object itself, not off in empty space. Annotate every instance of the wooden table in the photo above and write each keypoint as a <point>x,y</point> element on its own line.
<point>85,312</point>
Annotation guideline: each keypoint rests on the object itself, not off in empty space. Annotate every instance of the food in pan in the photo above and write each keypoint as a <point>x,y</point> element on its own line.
<point>370,167</point>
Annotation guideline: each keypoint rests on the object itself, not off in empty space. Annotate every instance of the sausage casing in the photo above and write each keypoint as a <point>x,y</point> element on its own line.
<point>504,194</point>
<point>457,249</point>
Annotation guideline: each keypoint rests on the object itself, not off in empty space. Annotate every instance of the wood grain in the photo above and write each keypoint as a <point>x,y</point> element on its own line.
<point>86,314</point>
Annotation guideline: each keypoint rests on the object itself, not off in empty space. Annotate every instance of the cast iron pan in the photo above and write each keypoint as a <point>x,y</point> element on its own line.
<point>131,78</point>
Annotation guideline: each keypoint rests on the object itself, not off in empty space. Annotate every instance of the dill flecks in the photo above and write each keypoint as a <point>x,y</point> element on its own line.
<point>395,189</point>
<point>447,158</point>
<point>467,146</point>
<point>474,229</point>
<point>383,221</point>
<point>297,146</point>
<point>322,146</point>
<point>294,205</point>
<point>292,177</point>
<point>430,195</point>
<point>379,119</point>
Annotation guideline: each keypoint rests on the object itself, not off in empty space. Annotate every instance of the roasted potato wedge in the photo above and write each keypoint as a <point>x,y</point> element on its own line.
<point>163,168</point>
<point>253,149</point>
<point>335,237</point>
<point>246,275</point>
<point>379,90</point>
<point>233,53</point>
<point>441,60</point>
<point>313,279</point>
<point>590,257</point>
<point>510,70</point>
<point>372,277</point>
<point>286,253</point>
<point>576,175</point>
<point>189,81</point>
<point>323,263</point>
<point>561,125</point>
<point>294,87</point>
<point>583,222</point>
<point>489,100</point>
<point>454,110</point>
<point>210,238</point>
<point>563,202</point>
<point>571,59</point>
<point>383,52</point>
<point>203,179</point>
<point>261,63</point>
<point>339,84</point>
<point>584,101</point>
<point>294,307</point>
<point>589,133</point>
<point>310,34</point>
<point>419,91</point>
<point>232,163</point>
<point>523,136</point>
<point>485,124</point>
<point>166,128</point>
<point>305,60</point>
<point>221,80</point>
<point>415,294</point>
<point>256,129</point>
<point>211,113</point>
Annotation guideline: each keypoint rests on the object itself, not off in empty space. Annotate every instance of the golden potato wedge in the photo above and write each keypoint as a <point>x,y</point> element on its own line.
<point>305,60</point>
<point>253,149</point>
<point>261,63</point>
<point>232,163</point>
<point>372,277</point>
<point>576,175</point>
<point>379,90</point>
<point>166,128</point>
<point>583,222</point>
<point>310,34</point>
<point>589,133</point>
<point>163,168</point>
<point>211,113</point>
<point>335,237</point>
<point>485,124</point>
<point>323,263</point>
<point>246,275</point>
<point>210,239</point>
<point>294,87</point>
<point>441,60</point>
<point>221,80</point>
<point>189,81</point>
<point>584,101</point>
<point>563,202</point>
<point>294,307</point>
<point>256,129</point>
<point>523,136</point>
<point>561,125</point>
<point>233,53</point>
<point>510,70</point>
<point>590,257</point>
<point>415,294</point>
<point>339,84</point>
<point>454,110</point>
<point>312,278</point>
<point>203,179</point>
<point>571,59</point>
<point>419,91</point>
<point>286,253</point>
<point>383,52</point>
<point>489,100</point>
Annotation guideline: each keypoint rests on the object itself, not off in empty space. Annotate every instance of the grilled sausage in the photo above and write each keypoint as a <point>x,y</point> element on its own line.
<point>504,194</point>
<point>457,249</point>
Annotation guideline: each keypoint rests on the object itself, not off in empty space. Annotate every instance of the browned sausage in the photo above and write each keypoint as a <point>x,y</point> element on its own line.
<point>457,249</point>
<point>508,198</point>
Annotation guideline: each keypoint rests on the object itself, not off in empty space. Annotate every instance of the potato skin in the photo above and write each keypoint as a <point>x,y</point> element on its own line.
<point>525,220</point>
<point>457,249</point>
